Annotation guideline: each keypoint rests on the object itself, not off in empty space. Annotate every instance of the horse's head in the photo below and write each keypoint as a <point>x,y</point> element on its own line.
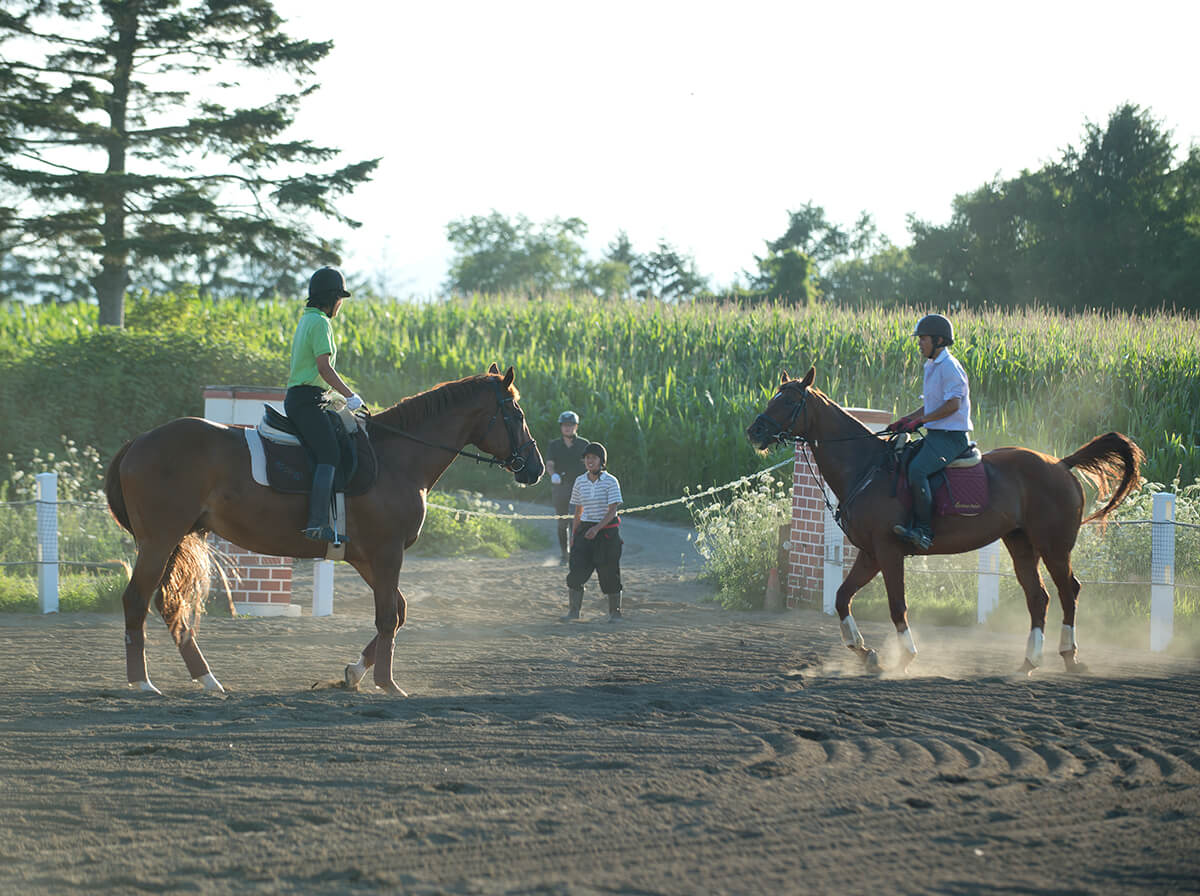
<point>513,440</point>
<point>784,416</point>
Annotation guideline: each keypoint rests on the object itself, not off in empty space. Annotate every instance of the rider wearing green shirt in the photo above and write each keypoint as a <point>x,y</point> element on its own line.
<point>314,354</point>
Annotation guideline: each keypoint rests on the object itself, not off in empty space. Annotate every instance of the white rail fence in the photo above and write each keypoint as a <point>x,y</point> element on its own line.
<point>988,572</point>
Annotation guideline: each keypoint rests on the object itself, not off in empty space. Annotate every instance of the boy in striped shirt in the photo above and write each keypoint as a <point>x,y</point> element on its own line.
<point>596,534</point>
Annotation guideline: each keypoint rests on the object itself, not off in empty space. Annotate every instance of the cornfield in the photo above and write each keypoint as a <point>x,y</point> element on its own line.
<point>670,388</point>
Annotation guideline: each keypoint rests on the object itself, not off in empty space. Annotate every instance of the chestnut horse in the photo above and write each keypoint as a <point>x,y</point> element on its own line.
<point>171,485</point>
<point>1036,507</point>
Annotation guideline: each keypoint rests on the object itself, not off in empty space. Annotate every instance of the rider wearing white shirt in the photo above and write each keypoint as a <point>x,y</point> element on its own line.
<point>946,416</point>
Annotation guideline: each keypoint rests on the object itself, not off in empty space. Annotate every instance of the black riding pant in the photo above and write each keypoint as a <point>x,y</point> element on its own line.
<point>561,495</point>
<point>601,555</point>
<point>304,407</point>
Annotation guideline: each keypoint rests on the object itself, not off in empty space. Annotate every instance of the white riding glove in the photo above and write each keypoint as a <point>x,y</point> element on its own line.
<point>354,402</point>
<point>555,478</point>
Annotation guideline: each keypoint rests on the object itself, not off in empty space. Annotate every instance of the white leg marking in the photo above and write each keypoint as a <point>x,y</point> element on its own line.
<point>210,683</point>
<point>851,636</point>
<point>145,687</point>
<point>1033,647</point>
<point>1066,639</point>
<point>906,641</point>
<point>355,673</point>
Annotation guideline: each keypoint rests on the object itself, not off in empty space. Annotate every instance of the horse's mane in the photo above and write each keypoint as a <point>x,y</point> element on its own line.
<point>409,412</point>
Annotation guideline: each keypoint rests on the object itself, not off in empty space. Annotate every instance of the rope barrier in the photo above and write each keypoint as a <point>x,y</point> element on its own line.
<point>624,512</point>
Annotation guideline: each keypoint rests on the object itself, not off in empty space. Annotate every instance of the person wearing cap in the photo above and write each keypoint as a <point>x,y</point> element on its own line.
<point>596,534</point>
<point>564,462</point>
<point>946,416</point>
<point>313,373</point>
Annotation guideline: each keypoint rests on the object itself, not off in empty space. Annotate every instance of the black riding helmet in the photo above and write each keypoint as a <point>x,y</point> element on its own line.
<point>936,326</point>
<point>326,286</point>
<point>597,449</point>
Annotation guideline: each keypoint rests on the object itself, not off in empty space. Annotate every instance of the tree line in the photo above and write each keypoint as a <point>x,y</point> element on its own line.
<point>1113,224</point>
<point>132,157</point>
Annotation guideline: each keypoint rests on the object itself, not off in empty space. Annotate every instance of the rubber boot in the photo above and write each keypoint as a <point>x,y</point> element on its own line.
<point>614,607</point>
<point>574,606</point>
<point>318,528</point>
<point>920,533</point>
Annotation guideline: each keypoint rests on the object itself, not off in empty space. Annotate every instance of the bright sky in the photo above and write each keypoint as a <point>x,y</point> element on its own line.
<point>704,124</point>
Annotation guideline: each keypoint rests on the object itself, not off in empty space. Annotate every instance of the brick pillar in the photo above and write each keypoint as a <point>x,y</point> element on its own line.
<point>806,561</point>
<point>265,586</point>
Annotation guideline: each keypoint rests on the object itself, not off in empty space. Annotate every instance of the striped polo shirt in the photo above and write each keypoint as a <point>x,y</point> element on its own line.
<point>595,497</point>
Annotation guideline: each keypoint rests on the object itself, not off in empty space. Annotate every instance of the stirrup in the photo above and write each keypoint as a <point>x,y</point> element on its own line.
<point>319,533</point>
<point>918,538</point>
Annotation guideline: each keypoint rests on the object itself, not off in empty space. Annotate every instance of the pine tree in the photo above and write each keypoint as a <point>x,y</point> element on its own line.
<point>117,141</point>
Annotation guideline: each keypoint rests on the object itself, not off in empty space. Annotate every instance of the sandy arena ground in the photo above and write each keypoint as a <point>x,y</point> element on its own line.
<point>686,750</point>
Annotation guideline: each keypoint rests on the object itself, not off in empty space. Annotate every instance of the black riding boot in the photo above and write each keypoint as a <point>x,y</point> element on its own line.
<point>920,533</point>
<point>614,606</point>
<point>575,605</point>
<point>318,528</point>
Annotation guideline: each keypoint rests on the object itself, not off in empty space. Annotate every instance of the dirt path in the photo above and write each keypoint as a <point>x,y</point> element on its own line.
<point>687,750</point>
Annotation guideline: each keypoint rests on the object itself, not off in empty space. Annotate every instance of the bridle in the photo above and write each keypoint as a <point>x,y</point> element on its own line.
<point>506,410</point>
<point>784,433</point>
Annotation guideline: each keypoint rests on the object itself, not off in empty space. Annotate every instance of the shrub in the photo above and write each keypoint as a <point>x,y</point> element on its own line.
<point>738,537</point>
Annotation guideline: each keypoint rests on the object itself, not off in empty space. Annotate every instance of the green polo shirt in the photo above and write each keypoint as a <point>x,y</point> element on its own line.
<point>314,337</point>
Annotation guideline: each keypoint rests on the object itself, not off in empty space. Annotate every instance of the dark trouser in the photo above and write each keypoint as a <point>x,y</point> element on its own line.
<point>938,448</point>
<point>601,555</point>
<point>303,407</point>
<point>561,495</point>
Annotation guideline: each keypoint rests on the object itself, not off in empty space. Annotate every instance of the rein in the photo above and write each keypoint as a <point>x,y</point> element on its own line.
<point>516,461</point>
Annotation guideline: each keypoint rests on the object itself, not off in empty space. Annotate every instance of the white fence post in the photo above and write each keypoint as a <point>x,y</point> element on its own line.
<point>832,574</point>
<point>322,604</point>
<point>47,541</point>
<point>1162,572</point>
<point>989,581</point>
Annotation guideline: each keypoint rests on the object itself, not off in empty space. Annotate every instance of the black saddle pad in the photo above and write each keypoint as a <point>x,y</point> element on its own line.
<point>290,467</point>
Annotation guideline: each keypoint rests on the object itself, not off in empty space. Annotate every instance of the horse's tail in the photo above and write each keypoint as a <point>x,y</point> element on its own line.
<point>186,581</point>
<point>1107,458</point>
<point>188,573</point>
<point>112,489</point>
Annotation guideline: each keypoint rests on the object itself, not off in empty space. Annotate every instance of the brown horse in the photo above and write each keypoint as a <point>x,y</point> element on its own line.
<point>171,485</point>
<point>1036,507</point>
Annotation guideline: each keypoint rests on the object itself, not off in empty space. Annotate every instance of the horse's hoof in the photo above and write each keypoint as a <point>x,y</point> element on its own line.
<point>1074,667</point>
<point>352,676</point>
<point>210,683</point>
<point>145,687</point>
<point>1027,667</point>
<point>906,660</point>
<point>871,663</point>
<point>392,688</point>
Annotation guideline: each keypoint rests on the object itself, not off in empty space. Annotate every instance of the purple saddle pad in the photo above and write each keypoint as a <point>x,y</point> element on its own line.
<point>964,492</point>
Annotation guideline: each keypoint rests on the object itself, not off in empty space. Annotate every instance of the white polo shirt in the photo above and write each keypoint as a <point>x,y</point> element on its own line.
<point>595,497</point>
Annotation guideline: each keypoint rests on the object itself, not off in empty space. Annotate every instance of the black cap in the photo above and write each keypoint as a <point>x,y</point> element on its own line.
<point>327,283</point>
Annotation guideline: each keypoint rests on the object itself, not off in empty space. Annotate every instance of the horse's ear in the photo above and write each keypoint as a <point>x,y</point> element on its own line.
<point>493,368</point>
<point>808,377</point>
<point>784,377</point>
<point>508,377</point>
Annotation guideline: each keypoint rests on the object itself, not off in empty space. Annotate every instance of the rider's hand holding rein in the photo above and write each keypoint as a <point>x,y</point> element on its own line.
<point>908,423</point>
